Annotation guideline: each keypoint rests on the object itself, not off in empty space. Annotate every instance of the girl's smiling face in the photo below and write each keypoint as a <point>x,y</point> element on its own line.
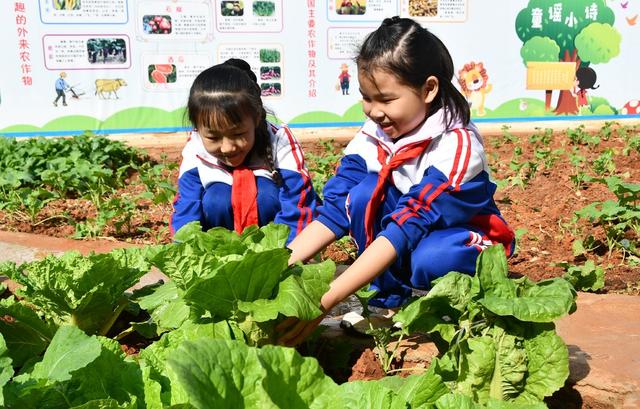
<point>230,146</point>
<point>397,108</point>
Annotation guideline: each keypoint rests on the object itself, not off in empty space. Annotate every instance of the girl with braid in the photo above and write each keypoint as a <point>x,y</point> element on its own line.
<point>413,189</point>
<point>238,169</point>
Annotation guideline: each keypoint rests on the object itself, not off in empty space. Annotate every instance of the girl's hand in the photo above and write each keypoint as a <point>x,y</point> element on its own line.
<point>374,260</point>
<point>296,330</point>
<point>310,241</point>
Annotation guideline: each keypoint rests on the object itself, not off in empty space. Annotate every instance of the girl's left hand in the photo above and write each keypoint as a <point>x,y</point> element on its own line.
<point>295,330</point>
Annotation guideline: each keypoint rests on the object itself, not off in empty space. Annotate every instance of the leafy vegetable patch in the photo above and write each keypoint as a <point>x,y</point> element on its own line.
<point>496,334</point>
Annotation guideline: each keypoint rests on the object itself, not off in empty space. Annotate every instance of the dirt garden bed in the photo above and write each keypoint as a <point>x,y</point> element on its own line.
<point>542,177</point>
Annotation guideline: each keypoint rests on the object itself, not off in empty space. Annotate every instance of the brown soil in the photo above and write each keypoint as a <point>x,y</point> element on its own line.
<point>413,355</point>
<point>546,209</point>
<point>543,210</point>
<point>367,367</point>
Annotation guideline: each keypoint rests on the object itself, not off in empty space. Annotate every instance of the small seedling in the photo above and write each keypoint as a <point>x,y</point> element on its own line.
<point>587,277</point>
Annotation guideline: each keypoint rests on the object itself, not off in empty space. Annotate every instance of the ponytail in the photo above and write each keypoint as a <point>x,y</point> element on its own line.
<point>453,103</point>
<point>264,149</point>
<point>275,174</point>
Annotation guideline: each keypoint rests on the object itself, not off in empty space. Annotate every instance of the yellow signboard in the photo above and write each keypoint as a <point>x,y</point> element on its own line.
<point>550,75</point>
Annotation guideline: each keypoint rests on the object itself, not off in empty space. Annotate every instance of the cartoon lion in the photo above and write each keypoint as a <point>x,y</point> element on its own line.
<point>473,80</point>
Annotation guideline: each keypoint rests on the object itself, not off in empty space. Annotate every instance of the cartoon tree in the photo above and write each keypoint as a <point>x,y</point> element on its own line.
<point>581,29</point>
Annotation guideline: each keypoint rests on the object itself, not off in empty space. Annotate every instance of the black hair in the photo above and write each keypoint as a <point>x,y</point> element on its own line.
<point>410,52</point>
<point>222,96</point>
<point>586,78</point>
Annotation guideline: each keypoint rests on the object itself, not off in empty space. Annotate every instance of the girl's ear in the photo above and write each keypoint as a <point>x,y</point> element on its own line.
<point>430,89</point>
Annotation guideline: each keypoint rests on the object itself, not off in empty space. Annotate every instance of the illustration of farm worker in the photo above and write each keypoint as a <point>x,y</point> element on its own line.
<point>413,188</point>
<point>585,79</point>
<point>344,79</point>
<point>237,168</point>
<point>473,80</point>
<point>61,86</point>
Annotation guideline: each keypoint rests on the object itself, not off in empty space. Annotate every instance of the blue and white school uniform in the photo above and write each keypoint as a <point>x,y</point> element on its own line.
<point>433,202</point>
<point>205,187</point>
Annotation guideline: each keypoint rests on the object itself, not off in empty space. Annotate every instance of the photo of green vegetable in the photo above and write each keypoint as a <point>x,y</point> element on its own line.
<point>269,55</point>
<point>213,324</point>
<point>264,8</point>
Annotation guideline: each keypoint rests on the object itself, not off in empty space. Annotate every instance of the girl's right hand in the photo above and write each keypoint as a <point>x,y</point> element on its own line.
<point>375,259</point>
<point>295,330</point>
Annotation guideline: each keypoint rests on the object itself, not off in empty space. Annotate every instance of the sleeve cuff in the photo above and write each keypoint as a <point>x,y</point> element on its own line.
<point>334,227</point>
<point>397,237</point>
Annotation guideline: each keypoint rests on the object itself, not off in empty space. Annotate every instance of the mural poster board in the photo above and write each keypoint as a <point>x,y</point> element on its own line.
<point>127,65</point>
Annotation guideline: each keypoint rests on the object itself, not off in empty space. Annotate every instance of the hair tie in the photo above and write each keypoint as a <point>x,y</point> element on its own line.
<point>389,21</point>
<point>244,66</point>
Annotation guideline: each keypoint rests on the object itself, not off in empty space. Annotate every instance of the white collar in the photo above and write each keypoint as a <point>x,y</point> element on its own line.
<point>432,128</point>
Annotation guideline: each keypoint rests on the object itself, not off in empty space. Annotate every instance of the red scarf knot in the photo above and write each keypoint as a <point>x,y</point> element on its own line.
<point>404,154</point>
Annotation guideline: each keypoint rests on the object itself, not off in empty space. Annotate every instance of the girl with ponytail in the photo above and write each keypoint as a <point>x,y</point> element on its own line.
<point>237,168</point>
<point>413,189</point>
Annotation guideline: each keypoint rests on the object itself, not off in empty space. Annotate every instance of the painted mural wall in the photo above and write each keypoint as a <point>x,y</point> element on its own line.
<point>126,65</point>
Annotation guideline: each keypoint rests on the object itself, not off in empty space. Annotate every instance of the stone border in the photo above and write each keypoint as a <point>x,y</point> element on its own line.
<point>346,133</point>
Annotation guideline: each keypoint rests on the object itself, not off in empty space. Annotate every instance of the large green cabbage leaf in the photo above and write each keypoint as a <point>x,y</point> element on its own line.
<point>78,370</point>
<point>26,334</point>
<point>218,373</point>
<point>6,369</point>
<point>86,291</point>
<point>244,279</point>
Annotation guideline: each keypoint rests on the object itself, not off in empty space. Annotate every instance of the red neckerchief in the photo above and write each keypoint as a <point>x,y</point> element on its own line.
<point>377,197</point>
<point>244,194</point>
